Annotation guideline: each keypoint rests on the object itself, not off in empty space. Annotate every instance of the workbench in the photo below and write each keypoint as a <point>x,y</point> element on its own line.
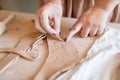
<point>23,24</point>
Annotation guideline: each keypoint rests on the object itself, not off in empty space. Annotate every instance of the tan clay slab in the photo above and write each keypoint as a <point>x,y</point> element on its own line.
<point>22,25</point>
<point>61,55</point>
<point>24,48</point>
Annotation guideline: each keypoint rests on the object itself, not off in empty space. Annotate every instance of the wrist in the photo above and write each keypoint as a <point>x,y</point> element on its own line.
<point>106,5</point>
<point>106,10</point>
<point>98,10</point>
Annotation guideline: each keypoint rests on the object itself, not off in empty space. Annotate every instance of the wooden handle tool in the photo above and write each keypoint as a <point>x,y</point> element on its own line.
<point>5,22</point>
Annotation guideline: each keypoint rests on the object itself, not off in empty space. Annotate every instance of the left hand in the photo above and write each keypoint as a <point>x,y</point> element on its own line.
<point>91,23</point>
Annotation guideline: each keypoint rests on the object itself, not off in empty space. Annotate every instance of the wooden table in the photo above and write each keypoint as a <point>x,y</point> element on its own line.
<point>22,25</point>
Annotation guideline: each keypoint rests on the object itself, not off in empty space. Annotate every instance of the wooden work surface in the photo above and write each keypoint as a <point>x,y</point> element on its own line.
<point>22,25</point>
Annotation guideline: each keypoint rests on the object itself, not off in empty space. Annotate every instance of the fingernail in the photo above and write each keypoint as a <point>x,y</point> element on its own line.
<point>65,39</point>
<point>33,20</point>
<point>70,29</point>
<point>54,34</point>
<point>59,33</point>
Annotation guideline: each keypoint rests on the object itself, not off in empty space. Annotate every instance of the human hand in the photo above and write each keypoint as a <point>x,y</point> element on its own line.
<point>48,18</point>
<point>91,23</point>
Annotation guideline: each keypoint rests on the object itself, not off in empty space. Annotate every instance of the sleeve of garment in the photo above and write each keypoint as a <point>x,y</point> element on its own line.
<point>75,8</point>
<point>115,14</point>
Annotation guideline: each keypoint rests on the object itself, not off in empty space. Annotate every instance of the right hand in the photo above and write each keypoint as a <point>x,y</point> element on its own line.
<point>50,12</point>
<point>91,23</point>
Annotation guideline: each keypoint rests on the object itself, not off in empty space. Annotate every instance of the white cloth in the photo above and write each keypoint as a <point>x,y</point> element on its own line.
<point>103,59</point>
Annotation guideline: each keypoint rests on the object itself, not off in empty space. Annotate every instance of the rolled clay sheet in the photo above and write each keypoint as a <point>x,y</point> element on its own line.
<point>26,47</point>
<point>103,59</point>
<point>62,56</point>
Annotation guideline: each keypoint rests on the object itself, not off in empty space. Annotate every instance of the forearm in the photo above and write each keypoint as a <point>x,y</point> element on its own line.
<point>107,5</point>
<point>53,1</point>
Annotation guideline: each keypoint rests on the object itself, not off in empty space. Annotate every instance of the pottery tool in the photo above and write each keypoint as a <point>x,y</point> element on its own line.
<point>51,23</point>
<point>59,38</point>
<point>24,48</point>
<point>5,22</point>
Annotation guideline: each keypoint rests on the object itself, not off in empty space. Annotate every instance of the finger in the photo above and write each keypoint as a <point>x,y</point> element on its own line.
<point>37,24</point>
<point>44,20</point>
<point>85,31</point>
<point>100,31</point>
<point>93,32</point>
<point>73,31</point>
<point>57,25</point>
